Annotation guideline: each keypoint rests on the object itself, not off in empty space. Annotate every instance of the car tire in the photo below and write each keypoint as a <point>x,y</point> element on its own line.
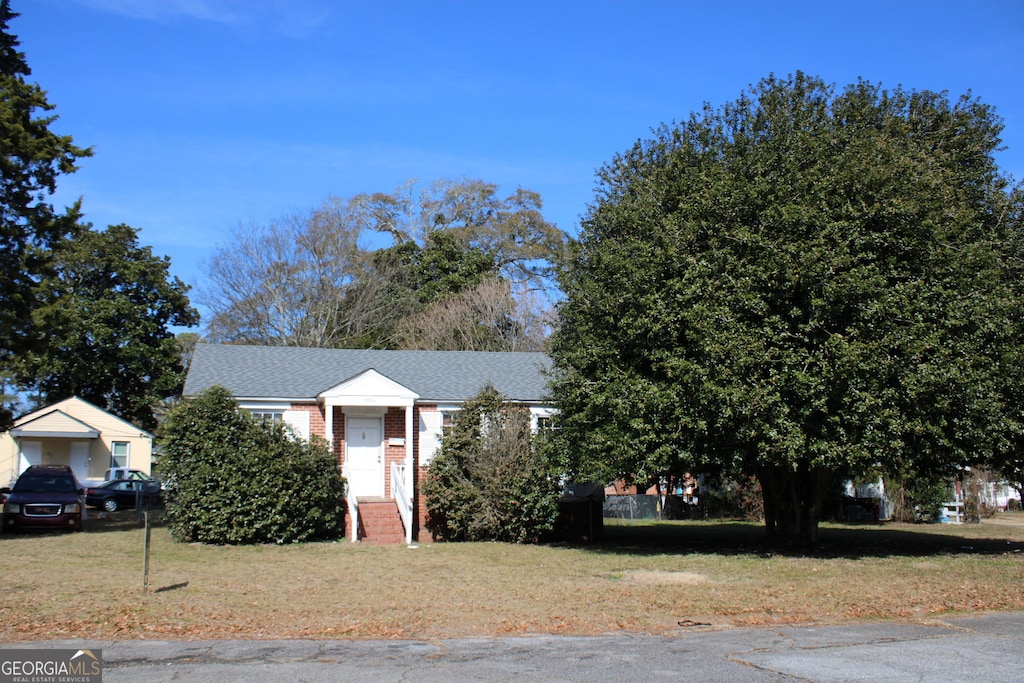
<point>110,505</point>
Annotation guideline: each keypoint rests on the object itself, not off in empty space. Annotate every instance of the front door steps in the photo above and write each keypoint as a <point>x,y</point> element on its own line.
<point>379,522</point>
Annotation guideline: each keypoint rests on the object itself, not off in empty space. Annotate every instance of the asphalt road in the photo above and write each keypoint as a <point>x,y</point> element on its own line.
<point>983,648</point>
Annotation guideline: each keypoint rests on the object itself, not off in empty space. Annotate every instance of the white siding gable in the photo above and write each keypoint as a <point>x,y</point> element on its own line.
<point>298,420</point>
<point>431,423</point>
<point>369,388</point>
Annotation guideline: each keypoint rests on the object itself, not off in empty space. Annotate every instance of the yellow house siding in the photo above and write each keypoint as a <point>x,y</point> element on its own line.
<point>58,450</point>
<point>8,459</point>
<point>59,422</point>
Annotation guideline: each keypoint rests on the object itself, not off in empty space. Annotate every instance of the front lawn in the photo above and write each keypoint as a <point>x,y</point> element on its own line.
<point>653,577</point>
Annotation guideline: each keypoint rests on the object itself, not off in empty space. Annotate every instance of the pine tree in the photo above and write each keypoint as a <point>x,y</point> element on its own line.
<point>32,157</point>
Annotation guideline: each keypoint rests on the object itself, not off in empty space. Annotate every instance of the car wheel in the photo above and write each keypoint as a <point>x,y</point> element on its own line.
<point>110,505</point>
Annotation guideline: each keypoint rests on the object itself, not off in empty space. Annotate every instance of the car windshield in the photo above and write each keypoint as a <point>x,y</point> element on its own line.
<point>45,484</point>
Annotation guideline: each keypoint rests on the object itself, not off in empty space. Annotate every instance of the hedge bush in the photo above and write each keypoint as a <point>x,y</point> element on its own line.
<point>233,478</point>
<point>488,482</point>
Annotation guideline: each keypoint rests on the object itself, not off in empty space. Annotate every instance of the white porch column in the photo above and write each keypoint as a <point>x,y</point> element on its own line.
<point>329,424</point>
<point>409,474</point>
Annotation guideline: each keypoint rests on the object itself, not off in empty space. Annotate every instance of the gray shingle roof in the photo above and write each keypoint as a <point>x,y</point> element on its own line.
<point>287,372</point>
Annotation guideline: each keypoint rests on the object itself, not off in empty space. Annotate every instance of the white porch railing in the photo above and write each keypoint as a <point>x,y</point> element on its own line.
<point>953,512</point>
<point>402,498</point>
<point>353,507</point>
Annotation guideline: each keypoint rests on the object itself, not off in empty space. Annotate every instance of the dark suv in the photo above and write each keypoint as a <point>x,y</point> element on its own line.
<point>45,497</point>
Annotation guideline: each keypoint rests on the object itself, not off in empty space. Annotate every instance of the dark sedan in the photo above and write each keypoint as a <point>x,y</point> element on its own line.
<point>120,494</point>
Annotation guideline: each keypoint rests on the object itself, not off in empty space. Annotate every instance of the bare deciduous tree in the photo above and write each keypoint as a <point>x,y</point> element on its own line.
<point>485,318</point>
<point>459,249</point>
<point>285,283</point>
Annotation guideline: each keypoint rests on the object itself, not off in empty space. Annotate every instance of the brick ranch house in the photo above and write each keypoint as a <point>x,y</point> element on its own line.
<point>382,412</point>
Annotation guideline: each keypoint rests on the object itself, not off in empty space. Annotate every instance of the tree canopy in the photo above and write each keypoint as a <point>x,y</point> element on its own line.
<point>32,159</point>
<point>798,284</point>
<point>459,273</point>
<point>81,312</point>
<point>102,326</point>
<point>511,230</point>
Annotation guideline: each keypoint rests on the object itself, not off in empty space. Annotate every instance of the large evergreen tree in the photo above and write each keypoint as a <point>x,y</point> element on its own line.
<point>103,324</point>
<point>798,284</point>
<point>32,157</point>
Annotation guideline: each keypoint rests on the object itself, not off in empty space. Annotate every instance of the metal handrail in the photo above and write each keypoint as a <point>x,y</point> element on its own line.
<point>402,498</point>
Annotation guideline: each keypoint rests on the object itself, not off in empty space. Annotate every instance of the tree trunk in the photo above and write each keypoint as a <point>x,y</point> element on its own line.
<point>792,503</point>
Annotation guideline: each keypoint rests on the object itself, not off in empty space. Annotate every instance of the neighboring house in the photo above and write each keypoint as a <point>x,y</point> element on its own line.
<point>76,433</point>
<point>382,412</point>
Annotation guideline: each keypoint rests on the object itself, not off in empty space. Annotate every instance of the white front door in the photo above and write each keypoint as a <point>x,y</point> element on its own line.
<point>31,454</point>
<point>364,457</point>
<point>79,459</point>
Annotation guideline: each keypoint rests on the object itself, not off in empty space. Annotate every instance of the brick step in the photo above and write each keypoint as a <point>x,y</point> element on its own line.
<point>378,513</point>
<point>380,523</point>
<point>381,526</point>
<point>377,506</point>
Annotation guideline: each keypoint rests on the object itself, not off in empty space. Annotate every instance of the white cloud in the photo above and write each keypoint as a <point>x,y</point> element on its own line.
<point>226,11</point>
<point>293,17</point>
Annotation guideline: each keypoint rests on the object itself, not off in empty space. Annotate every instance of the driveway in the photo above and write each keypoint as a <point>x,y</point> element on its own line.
<point>987,647</point>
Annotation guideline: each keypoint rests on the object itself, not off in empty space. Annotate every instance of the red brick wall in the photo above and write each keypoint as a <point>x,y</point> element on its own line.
<point>419,505</point>
<point>394,428</point>
<point>338,444</point>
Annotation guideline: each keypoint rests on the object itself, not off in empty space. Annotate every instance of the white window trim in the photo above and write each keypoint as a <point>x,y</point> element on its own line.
<point>127,453</point>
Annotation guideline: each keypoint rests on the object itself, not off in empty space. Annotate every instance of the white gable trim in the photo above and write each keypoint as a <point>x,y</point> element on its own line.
<point>264,405</point>
<point>55,424</point>
<point>369,388</point>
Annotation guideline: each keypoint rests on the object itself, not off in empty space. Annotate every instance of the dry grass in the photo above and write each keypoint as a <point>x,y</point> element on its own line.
<point>642,578</point>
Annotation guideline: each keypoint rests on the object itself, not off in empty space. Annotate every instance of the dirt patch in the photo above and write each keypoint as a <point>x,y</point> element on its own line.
<point>924,565</point>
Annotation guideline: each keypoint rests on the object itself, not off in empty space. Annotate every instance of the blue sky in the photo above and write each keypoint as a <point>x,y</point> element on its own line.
<point>207,114</point>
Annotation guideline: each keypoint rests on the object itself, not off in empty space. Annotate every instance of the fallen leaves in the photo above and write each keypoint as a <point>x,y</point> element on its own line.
<point>342,591</point>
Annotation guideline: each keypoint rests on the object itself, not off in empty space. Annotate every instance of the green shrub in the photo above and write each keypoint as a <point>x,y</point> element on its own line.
<point>737,497</point>
<point>235,479</point>
<point>488,482</point>
<point>919,498</point>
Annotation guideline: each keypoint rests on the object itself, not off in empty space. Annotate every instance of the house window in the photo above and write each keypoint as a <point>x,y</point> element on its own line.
<point>447,420</point>
<point>119,454</point>
<point>271,415</point>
